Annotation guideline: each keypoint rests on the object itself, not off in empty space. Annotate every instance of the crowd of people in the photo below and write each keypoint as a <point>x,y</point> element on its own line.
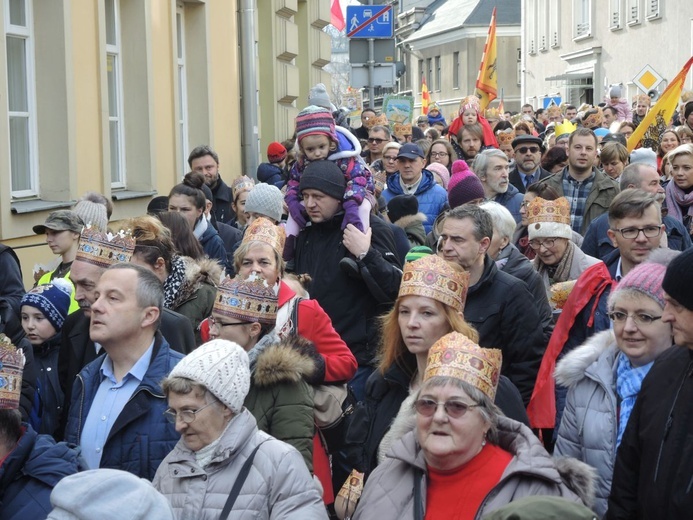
<point>486,317</point>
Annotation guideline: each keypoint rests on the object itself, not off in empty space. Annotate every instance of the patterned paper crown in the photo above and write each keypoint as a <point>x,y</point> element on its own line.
<point>263,230</point>
<point>11,370</point>
<point>433,277</point>
<point>565,128</point>
<point>455,355</point>
<point>402,129</point>
<point>379,179</point>
<point>241,184</point>
<point>646,100</point>
<point>380,120</point>
<point>549,218</point>
<point>593,118</point>
<point>553,111</point>
<point>492,113</point>
<point>105,249</point>
<point>506,136</point>
<point>470,102</point>
<point>251,300</point>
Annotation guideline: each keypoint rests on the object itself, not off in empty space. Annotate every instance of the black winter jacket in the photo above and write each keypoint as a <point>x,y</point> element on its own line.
<point>353,304</point>
<point>502,310</point>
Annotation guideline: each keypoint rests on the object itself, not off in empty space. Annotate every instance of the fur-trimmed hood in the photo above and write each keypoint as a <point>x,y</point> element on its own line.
<point>289,361</point>
<point>349,145</point>
<point>197,272</point>
<point>571,369</point>
<point>410,220</point>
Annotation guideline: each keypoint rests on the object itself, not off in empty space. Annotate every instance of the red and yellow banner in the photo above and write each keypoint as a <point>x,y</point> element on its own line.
<point>487,79</point>
<point>425,96</point>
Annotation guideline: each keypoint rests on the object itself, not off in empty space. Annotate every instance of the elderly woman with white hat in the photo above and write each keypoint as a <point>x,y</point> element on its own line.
<point>223,466</point>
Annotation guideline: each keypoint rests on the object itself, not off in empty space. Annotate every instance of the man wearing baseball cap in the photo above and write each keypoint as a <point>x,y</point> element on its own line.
<point>62,229</point>
<point>413,179</point>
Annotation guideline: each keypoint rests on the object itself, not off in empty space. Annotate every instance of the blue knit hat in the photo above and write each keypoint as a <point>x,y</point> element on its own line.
<point>314,120</point>
<point>52,299</point>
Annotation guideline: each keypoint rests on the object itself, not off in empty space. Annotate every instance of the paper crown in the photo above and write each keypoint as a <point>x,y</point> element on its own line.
<point>241,184</point>
<point>379,179</point>
<point>11,370</point>
<point>433,277</point>
<point>380,120</point>
<point>263,230</point>
<point>251,300</point>
<point>105,249</point>
<point>645,99</point>
<point>549,218</point>
<point>505,136</point>
<point>492,113</point>
<point>559,292</point>
<point>402,129</point>
<point>553,110</point>
<point>470,102</point>
<point>455,355</point>
<point>565,128</point>
<point>593,117</point>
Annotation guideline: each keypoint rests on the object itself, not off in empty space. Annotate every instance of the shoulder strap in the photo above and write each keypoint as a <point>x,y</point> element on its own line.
<point>236,489</point>
<point>418,502</point>
<point>294,314</point>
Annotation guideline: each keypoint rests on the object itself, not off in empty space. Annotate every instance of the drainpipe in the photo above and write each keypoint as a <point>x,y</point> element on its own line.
<point>250,145</point>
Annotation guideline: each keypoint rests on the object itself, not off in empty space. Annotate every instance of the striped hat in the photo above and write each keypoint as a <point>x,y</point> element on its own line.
<point>314,120</point>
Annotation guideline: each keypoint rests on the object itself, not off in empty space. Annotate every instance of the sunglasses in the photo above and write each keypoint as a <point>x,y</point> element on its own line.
<point>530,149</point>
<point>375,140</point>
<point>454,409</point>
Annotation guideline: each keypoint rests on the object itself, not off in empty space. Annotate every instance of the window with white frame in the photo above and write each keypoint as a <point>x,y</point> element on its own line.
<point>21,98</point>
<point>437,65</point>
<point>633,12</point>
<point>115,94</point>
<point>455,70</point>
<point>615,22</point>
<point>652,9</point>
<point>555,23</point>
<point>542,24</point>
<point>531,22</point>
<point>182,84</point>
<point>429,73</point>
<point>422,74</point>
<point>582,17</point>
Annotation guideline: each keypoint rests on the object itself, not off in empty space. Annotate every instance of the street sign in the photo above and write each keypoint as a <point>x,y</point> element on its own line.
<point>647,79</point>
<point>383,76</point>
<point>383,51</point>
<point>548,101</point>
<point>370,21</point>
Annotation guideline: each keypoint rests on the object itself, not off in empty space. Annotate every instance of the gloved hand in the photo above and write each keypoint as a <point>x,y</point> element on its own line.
<point>298,213</point>
<point>351,215</point>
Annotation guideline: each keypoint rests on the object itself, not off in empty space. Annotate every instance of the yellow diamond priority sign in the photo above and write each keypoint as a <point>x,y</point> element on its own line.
<point>647,79</point>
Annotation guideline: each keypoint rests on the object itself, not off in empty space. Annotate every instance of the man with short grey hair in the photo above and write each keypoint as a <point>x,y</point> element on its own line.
<point>492,168</point>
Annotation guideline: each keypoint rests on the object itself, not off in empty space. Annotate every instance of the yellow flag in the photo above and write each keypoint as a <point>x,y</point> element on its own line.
<point>657,119</point>
<point>487,79</point>
<point>425,96</point>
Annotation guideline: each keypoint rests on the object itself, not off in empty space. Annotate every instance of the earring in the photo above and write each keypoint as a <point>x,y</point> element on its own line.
<point>483,443</point>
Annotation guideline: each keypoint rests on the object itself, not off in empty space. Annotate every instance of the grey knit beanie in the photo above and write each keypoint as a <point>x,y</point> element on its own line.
<point>92,214</point>
<point>266,200</point>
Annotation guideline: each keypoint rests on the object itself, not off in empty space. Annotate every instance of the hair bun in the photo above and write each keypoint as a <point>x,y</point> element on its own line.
<point>194,180</point>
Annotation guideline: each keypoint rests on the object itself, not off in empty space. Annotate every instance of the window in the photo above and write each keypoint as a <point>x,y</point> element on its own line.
<point>21,98</point>
<point>555,23</point>
<point>542,25</point>
<point>182,85</point>
<point>531,19</point>
<point>429,72</point>
<point>615,15</point>
<point>633,12</point>
<point>437,62</point>
<point>455,70</point>
<point>582,16</point>
<point>652,9</point>
<point>422,73</point>
<point>115,97</point>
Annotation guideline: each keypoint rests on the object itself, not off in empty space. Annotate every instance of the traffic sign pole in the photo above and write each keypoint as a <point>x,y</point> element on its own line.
<point>371,68</point>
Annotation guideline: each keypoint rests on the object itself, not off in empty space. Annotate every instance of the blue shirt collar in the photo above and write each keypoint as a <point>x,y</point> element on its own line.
<point>138,370</point>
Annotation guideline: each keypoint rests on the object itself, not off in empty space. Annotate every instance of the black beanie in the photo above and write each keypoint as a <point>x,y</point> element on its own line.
<point>324,176</point>
<point>402,206</point>
<point>678,279</point>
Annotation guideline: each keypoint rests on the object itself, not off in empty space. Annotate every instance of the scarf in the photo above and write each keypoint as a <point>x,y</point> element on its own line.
<point>561,271</point>
<point>254,353</point>
<point>204,456</point>
<point>628,382</point>
<point>174,281</point>
<point>676,199</point>
<point>200,227</point>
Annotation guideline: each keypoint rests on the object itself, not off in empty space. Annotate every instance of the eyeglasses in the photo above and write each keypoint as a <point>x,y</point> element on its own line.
<point>536,244</point>
<point>438,155</point>
<point>530,149</point>
<point>524,204</point>
<point>632,232</point>
<point>187,416</point>
<point>454,409</point>
<point>639,318</point>
<point>213,322</point>
<point>390,158</point>
<point>376,140</point>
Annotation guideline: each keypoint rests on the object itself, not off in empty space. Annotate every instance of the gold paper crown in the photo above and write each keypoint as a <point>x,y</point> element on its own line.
<point>492,113</point>
<point>263,230</point>
<point>380,120</point>
<point>565,128</point>
<point>433,277</point>
<point>251,300</point>
<point>379,179</point>
<point>11,370</point>
<point>646,99</point>
<point>241,184</point>
<point>593,118</point>
<point>559,293</point>
<point>470,102</point>
<point>455,355</point>
<point>506,136</point>
<point>549,218</point>
<point>686,96</point>
<point>402,129</point>
<point>554,110</point>
<point>105,249</point>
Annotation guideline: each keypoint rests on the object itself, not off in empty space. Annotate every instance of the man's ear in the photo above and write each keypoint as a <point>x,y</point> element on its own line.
<point>612,236</point>
<point>255,329</point>
<point>151,315</point>
<point>484,245</point>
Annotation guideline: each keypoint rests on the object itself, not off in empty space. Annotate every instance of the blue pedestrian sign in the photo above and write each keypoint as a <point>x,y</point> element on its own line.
<point>551,101</point>
<point>370,21</point>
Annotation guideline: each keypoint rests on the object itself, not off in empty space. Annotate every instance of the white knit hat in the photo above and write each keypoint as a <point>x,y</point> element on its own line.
<point>222,367</point>
<point>266,200</point>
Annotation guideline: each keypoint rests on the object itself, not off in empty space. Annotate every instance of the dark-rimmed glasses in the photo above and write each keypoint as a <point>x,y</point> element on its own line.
<point>536,244</point>
<point>632,232</point>
<point>213,322</point>
<point>639,318</point>
<point>454,409</point>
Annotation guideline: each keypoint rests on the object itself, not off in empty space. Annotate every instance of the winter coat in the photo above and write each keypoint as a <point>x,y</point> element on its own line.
<point>653,472</point>
<point>221,205</point>
<point>141,437</point>
<point>622,107</point>
<point>581,261</point>
<point>511,200</point>
<point>280,398</point>
<point>77,349</point>
<point>213,245</point>
<point>389,493</point>
<point>598,244</point>
<point>48,402</point>
<point>195,296</point>
<point>29,473</point>
<point>589,426</point>
<point>603,191</point>
<point>353,305</point>
<point>516,180</point>
<point>271,174</point>
<point>278,486</point>
<point>500,308</point>
<point>432,197</point>
<point>11,283</point>
<point>231,236</point>
<point>413,227</point>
